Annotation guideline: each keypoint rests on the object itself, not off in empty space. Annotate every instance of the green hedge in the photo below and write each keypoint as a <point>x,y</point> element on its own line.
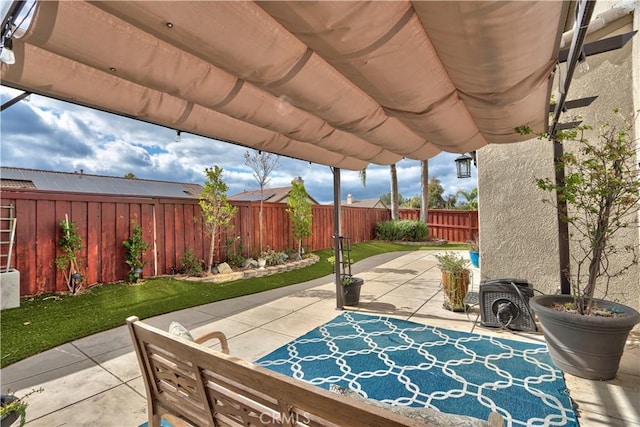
<point>401,230</point>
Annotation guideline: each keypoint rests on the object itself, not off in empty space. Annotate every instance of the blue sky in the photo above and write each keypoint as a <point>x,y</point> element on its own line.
<point>53,135</point>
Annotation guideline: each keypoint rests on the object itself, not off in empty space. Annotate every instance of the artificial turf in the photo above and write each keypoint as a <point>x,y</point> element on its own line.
<point>47,321</point>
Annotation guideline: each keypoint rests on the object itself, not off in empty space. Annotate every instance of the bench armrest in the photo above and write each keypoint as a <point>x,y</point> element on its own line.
<point>214,335</point>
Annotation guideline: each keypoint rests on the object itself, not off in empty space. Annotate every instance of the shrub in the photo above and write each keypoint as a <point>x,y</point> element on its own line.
<point>273,257</point>
<point>190,264</point>
<point>401,230</point>
<point>234,255</point>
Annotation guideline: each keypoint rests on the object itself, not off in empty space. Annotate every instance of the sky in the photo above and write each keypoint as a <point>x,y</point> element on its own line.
<point>47,134</point>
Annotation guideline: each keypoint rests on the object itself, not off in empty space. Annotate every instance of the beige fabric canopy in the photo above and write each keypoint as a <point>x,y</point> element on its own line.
<point>343,84</point>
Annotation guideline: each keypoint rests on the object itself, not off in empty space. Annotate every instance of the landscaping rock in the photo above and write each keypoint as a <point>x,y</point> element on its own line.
<point>224,268</point>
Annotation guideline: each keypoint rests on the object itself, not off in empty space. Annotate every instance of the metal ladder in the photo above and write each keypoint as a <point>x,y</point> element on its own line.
<point>7,236</point>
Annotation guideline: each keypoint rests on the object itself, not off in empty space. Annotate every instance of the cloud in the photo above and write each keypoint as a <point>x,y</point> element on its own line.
<point>55,135</point>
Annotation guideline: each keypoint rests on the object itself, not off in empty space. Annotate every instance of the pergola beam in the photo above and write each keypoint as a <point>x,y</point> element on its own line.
<point>575,103</point>
<point>600,46</point>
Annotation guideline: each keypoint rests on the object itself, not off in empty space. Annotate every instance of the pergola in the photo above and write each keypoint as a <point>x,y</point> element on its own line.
<point>342,84</point>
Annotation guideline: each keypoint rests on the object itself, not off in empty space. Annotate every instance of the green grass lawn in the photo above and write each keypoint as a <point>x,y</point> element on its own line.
<point>46,321</point>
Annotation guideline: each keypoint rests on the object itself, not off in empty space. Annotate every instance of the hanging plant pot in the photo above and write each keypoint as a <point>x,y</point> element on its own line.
<point>585,346</point>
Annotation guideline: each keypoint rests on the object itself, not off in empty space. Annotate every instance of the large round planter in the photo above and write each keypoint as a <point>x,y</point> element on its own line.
<point>455,287</point>
<point>585,346</point>
<point>352,291</point>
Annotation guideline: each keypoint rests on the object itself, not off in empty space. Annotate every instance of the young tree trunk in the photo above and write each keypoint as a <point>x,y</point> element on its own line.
<point>260,220</point>
<point>212,249</point>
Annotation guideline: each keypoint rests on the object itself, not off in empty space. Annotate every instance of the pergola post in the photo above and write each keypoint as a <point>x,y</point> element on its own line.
<point>336,237</point>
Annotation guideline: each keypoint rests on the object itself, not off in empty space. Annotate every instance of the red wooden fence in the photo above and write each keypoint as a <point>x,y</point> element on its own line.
<point>173,226</point>
<point>446,224</point>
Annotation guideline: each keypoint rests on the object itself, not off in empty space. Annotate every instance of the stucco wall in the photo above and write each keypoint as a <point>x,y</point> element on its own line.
<point>518,232</point>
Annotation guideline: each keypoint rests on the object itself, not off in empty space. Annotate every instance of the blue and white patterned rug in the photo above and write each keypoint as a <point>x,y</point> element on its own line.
<point>406,363</point>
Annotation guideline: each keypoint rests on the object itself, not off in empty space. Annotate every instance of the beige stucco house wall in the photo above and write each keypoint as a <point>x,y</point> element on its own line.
<point>518,232</point>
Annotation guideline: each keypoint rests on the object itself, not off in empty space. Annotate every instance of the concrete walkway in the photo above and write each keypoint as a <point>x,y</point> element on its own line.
<point>95,381</point>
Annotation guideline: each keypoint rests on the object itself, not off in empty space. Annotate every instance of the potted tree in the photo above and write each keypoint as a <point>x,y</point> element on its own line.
<point>455,279</point>
<point>136,247</point>
<point>585,333</point>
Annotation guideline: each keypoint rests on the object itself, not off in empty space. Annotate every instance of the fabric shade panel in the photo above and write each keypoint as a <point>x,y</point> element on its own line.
<point>343,84</point>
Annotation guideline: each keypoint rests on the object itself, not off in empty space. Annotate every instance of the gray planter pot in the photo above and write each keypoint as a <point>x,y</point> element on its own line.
<point>352,292</point>
<point>585,346</point>
<point>10,417</point>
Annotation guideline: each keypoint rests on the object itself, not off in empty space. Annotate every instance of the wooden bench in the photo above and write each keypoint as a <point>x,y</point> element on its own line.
<point>189,384</point>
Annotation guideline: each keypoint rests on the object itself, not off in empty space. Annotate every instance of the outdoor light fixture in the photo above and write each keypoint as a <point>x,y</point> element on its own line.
<point>6,52</point>
<point>9,29</point>
<point>178,136</point>
<point>463,164</point>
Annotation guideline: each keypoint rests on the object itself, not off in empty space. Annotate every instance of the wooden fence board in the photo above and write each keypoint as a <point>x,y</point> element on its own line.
<point>108,242</point>
<point>94,243</point>
<point>104,223</point>
<point>46,239</point>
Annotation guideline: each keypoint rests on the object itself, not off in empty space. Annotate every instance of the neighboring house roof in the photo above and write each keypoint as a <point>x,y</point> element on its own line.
<point>366,203</point>
<point>363,203</point>
<point>94,184</point>
<point>274,195</point>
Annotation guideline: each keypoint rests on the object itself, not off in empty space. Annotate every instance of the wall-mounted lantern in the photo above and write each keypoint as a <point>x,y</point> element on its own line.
<point>463,164</point>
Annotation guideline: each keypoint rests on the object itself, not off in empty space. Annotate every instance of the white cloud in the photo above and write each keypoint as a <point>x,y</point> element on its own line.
<point>54,135</point>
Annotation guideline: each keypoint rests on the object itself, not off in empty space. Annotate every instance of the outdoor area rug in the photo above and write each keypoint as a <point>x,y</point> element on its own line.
<point>406,363</point>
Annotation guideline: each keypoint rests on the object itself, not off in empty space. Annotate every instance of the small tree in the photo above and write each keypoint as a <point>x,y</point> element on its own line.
<point>262,164</point>
<point>70,243</point>
<point>136,247</point>
<point>300,211</point>
<point>601,190</point>
<point>217,212</point>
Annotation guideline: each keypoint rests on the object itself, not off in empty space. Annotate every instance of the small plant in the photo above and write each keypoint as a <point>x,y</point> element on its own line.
<point>455,279</point>
<point>17,405</point>
<point>452,262</point>
<point>274,258</point>
<point>234,255</point>
<point>346,279</point>
<point>474,245</point>
<point>136,247</point>
<point>70,243</point>
<point>190,264</point>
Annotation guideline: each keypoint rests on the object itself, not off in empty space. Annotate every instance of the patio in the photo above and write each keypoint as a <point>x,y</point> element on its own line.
<point>96,380</point>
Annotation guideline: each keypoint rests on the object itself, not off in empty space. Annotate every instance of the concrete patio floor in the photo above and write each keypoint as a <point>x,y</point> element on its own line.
<point>95,381</point>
